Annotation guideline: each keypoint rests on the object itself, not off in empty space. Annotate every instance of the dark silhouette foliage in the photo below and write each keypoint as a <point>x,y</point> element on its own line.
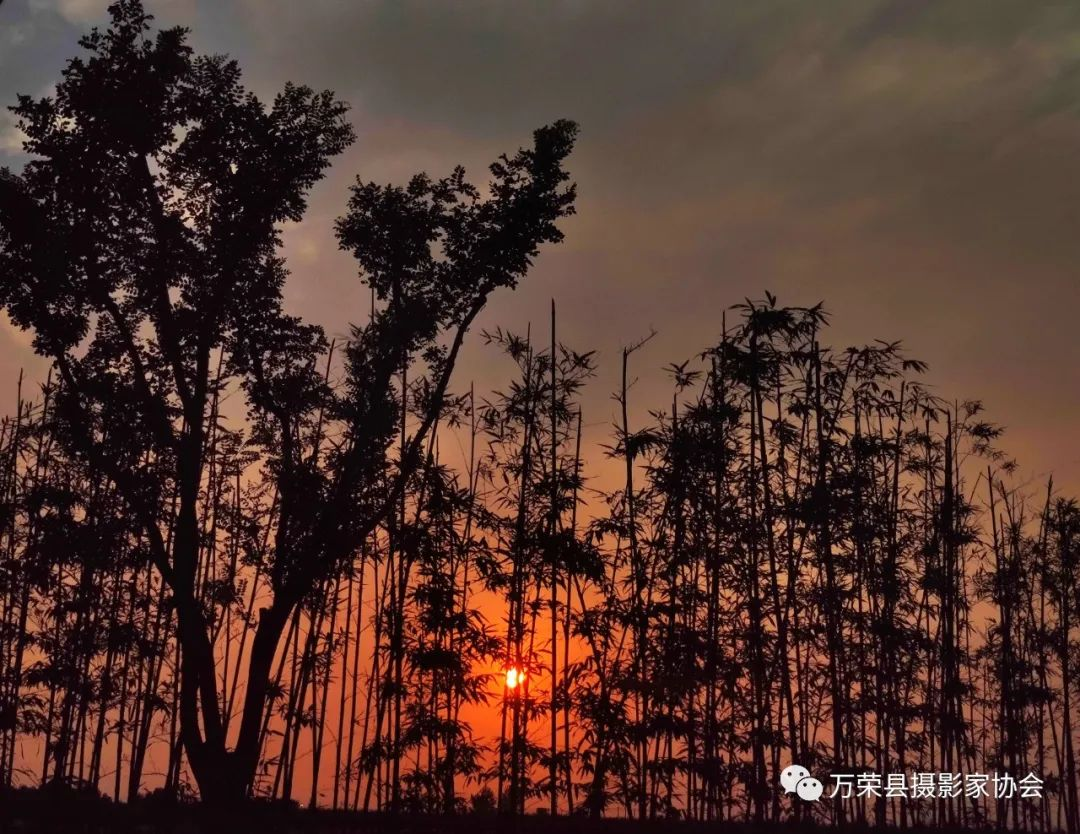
<point>140,246</point>
<point>241,561</point>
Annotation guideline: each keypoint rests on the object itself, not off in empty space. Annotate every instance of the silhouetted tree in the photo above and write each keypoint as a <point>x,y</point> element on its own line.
<point>141,242</point>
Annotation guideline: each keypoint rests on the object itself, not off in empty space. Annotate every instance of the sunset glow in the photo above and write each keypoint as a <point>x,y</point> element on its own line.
<point>514,677</point>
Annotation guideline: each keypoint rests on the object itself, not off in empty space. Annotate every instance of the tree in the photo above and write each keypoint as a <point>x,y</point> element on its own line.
<point>141,246</point>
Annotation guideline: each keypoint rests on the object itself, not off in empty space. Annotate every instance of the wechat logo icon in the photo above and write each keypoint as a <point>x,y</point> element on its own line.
<point>796,779</point>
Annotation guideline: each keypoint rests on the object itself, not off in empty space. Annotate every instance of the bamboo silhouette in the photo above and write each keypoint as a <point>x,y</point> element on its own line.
<point>703,579</point>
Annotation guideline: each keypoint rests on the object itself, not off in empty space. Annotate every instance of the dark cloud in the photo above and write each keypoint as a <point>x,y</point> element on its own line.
<point>912,163</point>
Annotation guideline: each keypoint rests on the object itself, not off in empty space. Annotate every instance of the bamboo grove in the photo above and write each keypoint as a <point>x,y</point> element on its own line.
<point>242,560</point>
<point>810,558</point>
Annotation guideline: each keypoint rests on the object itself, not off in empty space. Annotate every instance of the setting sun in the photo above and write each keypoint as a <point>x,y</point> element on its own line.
<point>514,677</point>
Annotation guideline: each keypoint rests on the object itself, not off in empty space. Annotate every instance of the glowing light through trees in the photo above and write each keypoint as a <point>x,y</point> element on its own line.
<point>514,678</point>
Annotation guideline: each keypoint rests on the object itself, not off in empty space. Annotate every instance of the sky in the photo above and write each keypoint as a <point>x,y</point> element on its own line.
<point>912,164</point>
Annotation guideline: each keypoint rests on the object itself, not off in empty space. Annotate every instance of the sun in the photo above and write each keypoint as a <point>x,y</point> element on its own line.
<point>514,677</point>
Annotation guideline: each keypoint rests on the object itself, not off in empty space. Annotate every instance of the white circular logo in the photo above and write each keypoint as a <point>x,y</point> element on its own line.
<point>796,779</point>
<point>809,789</point>
<point>791,775</point>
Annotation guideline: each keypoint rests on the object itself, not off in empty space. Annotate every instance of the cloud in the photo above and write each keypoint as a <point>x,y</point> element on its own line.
<point>87,12</point>
<point>74,11</point>
<point>11,138</point>
<point>911,162</point>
